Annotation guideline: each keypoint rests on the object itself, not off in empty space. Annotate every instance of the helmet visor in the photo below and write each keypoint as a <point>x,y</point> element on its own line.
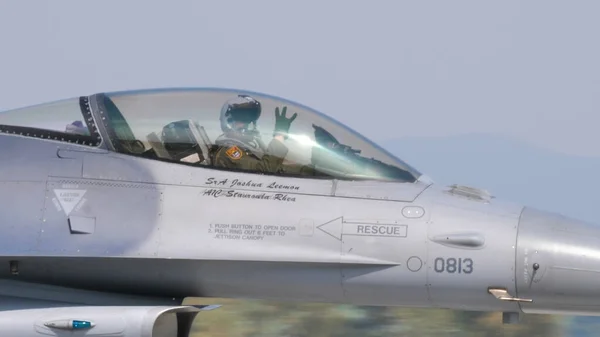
<point>246,112</point>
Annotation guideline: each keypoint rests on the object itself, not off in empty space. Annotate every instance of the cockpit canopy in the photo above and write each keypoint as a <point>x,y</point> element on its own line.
<point>186,126</point>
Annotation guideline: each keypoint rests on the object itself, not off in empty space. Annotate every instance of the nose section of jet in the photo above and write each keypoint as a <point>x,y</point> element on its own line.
<point>558,264</point>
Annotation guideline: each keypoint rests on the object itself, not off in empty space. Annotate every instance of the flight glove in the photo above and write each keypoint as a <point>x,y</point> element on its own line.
<point>282,124</point>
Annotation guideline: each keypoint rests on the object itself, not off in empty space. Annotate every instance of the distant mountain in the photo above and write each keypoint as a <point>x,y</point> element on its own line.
<point>508,169</point>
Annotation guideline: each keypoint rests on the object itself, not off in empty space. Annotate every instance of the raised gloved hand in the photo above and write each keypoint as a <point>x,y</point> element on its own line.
<point>282,124</point>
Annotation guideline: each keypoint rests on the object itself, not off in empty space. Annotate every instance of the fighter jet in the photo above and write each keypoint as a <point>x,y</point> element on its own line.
<point>118,206</point>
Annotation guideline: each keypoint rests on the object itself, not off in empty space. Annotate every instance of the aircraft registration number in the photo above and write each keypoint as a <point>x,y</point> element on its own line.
<point>453,265</point>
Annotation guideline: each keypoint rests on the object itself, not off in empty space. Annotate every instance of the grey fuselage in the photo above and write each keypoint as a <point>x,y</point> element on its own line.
<point>92,218</point>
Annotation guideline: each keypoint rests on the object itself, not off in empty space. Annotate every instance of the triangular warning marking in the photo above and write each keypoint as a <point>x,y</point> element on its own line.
<point>333,228</point>
<point>69,198</point>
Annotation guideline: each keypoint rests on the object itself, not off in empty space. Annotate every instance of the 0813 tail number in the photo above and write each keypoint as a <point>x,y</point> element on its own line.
<point>453,265</point>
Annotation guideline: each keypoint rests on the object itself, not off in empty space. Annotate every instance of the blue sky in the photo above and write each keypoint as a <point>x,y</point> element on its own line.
<point>389,69</point>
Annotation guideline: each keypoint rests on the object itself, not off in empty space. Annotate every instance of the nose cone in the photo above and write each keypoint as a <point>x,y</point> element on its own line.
<point>558,264</point>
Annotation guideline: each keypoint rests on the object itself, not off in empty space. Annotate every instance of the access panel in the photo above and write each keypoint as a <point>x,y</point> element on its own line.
<point>471,249</point>
<point>100,218</point>
<point>383,251</point>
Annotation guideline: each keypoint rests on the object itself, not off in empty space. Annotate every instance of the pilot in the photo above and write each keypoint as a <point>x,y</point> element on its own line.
<point>241,147</point>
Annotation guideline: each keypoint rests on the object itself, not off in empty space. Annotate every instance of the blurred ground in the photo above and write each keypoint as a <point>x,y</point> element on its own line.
<point>237,318</point>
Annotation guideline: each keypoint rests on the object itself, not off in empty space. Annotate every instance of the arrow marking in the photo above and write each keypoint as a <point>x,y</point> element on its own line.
<point>333,228</point>
<point>338,227</point>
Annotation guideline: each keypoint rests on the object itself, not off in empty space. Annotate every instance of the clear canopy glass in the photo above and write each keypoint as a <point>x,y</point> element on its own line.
<point>59,121</point>
<point>184,124</point>
<point>195,127</point>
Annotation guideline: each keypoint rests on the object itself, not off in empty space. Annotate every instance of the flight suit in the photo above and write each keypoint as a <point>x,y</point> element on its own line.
<point>301,170</point>
<point>235,156</point>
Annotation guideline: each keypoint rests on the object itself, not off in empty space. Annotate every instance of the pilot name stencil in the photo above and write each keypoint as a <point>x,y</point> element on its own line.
<point>220,193</point>
<point>339,227</point>
<point>248,232</point>
<point>231,183</point>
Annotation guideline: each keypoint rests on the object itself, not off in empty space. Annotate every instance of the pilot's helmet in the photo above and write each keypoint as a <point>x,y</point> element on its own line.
<point>242,108</point>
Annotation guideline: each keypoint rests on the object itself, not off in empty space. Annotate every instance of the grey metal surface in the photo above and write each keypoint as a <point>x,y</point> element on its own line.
<point>558,264</point>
